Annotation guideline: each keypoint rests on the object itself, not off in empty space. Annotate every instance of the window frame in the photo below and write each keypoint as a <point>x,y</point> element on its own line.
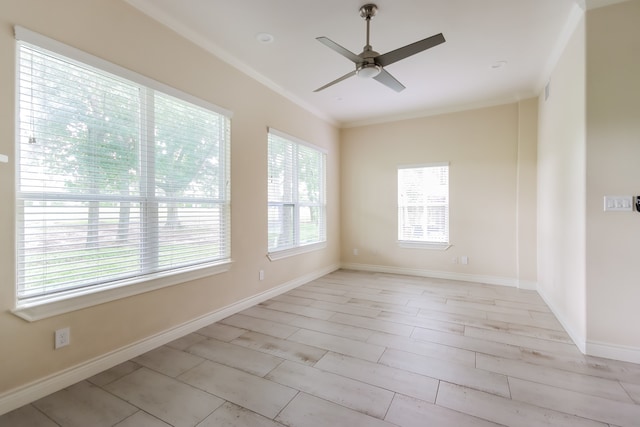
<point>297,248</point>
<point>43,306</point>
<point>424,244</point>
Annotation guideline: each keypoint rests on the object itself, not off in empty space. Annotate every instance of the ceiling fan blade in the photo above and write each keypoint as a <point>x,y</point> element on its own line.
<point>408,50</point>
<point>388,80</point>
<point>338,80</point>
<point>342,51</point>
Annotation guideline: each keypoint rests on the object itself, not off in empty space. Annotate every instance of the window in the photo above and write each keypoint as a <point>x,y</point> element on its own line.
<point>296,193</point>
<point>118,182</point>
<point>423,204</point>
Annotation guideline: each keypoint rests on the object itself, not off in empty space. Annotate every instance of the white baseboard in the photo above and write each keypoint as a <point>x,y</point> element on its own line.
<point>28,393</point>
<point>578,339</point>
<point>528,285</point>
<point>594,348</point>
<point>464,277</point>
<point>613,351</point>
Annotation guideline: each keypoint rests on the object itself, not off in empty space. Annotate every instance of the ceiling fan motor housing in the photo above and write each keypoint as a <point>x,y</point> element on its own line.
<point>368,67</point>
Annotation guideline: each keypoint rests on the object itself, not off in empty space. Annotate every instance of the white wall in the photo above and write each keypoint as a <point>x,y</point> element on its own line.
<point>613,168</point>
<point>562,190</point>
<point>589,147</point>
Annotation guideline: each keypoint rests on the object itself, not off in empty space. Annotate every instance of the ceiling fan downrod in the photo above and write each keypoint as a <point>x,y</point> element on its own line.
<point>368,11</point>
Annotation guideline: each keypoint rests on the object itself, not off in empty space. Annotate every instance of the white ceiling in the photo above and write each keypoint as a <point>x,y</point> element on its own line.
<point>459,74</point>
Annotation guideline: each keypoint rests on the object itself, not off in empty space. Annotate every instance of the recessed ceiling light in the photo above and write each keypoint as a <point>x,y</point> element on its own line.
<point>498,64</point>
<point>264,38</point>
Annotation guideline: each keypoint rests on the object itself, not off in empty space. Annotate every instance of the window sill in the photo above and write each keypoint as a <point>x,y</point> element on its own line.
<point>424,245</point>
<point>286,253</point>
<point>49,306</point>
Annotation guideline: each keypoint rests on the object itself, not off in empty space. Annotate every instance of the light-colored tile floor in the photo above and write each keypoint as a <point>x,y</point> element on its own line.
<point>361,349</point>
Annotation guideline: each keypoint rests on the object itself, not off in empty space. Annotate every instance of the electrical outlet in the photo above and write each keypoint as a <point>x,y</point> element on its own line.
<point>261,274</point>
<point>464,260</point>
<point>62,338</point>
<point>355,251</point>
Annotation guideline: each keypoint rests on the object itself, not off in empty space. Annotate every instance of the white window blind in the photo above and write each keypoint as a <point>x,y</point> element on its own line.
<point>423,203</point>
<point>296,193</point>
<point>116,180</point>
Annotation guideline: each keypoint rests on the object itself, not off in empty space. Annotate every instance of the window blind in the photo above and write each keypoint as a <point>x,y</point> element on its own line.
<point>296,193</point>
<point>423,203</point>
<point>115,180</point>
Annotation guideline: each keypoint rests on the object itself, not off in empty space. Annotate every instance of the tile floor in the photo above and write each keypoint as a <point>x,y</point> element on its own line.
<point>361,349</point>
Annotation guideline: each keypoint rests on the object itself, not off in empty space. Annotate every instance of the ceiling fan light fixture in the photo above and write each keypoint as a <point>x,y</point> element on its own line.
<point>367,71</point>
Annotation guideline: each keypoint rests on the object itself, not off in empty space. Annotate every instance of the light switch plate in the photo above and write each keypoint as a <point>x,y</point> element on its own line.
<point>618,203</point>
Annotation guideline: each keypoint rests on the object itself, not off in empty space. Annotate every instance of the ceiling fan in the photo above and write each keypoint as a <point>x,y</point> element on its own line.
<point>369,63</point>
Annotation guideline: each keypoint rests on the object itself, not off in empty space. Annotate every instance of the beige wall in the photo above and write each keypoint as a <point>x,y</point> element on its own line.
<point>613,168</point>
<point>527,218</point>
<point>561,155</point>
<point>483,148</point>
<point>562,189</point>
<point>117,32</point>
